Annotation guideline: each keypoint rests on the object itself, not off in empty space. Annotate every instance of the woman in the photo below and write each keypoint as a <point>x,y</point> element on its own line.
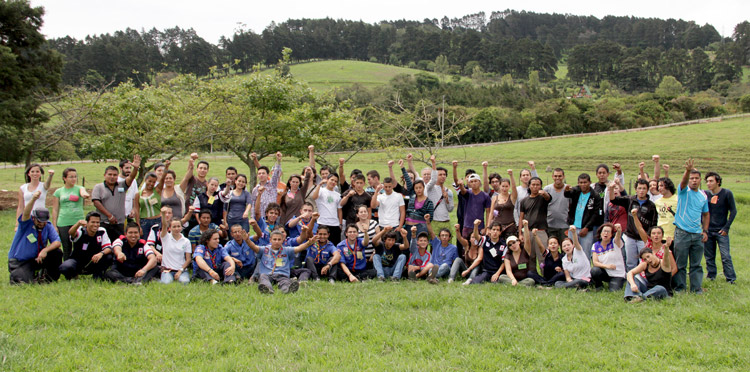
<point>237,210</point>
<point>461,265</point>
<point>657,274</point>
<point>655,241</point>
<point>173,197</point>
<point>522,190</point>
<point>211,261</point>
<point>609,264</point>
<point>68,208</point>
<point>366,224</point>
<point>551,263</point>
<point>33,175</point>
<point>517,261</point>
<point>176,252</point>
<point>419,206</point>
<point>292,200</point>
<point>147,203</point>
<point>575,263</point>
<point>503,203</point>
<point>210,201</point>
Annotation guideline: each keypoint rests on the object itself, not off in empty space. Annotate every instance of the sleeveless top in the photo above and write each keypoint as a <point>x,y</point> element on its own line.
<point>175,203</point>
<point>150,205</point>
<point>28,194</point>
<point>659,277</point>
<point>504,212</point>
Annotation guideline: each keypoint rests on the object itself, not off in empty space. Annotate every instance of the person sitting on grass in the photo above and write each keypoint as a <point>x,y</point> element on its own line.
<point>297,223</point>
<point>92,250</point>
<point>654,240</point>
<point>240,252</point>
<point>275,263</point>
<point>491,253</point>
<point>420,264</point>
<point>211,262</point>
<point>35,247</point>
<point>607,258</point>
<point>390,258</point>
<point>470,253</point>
<point>323,257</point>
<point>135,261</point>
<point>176,251</point>
<point>576,264</point>
<point>657,283</point>
<point>551,262</point>
<point>204,224</point>
<point>444,254</point>
<point>517,261</point>
<point>353,264</point>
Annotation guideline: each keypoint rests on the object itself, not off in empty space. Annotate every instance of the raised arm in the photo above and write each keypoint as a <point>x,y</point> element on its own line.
<point>256,212</point>
<point>689,165</point>
<point>189,172</point>
<point>455,172</point>
<point>657,166</point>
<point>527,239</point>
<point>638,225</point>
<point>641,171</point>
<point>311,156</point>
<point>136,167</point>
<point>475,234</point>
<point>410,162</point>
<point>30,206</point>
<point>390,170</point>
<point>430,231</point>
<point>316,191</point>
<point>459,238</point>
<point>160,181</point>
<point>513,189</point>
<point>164,222</point>
<point>485,180</point>
<point>256,228</point>
<point>574,233</point>
<point>342,174</point>
<point>48,182</point>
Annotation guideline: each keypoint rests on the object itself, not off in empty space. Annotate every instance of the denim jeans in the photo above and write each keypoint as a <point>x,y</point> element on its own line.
<point>443,270</point>
<point>688,246</point>
<point>575,283</point>
<point>421,227</point>
<point>726,259</point>
<point>168,277</point>
<point>585,241</point>
<point>459,266</point>
<point>146,225</point>
<point>632,248</point>
<point>657,293</point>
<point>393,271</point>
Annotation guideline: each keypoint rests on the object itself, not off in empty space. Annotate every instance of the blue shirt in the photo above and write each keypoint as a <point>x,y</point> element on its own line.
<point>241,251</point>
<point>276,262</point>
<point>266,229</point>
<point>353,256</point>
<point>214,258</point>
<point>690,207</point>
<point>297,230</point>
<point>28,241</point>
<point>580,208</point>
<point>416,259</point>
<point>321,255</point>
<point>443,255</point>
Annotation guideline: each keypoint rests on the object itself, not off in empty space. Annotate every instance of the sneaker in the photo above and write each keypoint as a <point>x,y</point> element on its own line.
<point>331,281</point>
<point>294,286</point>
<point>381,279</point>
<point>214,281</point>
<point>467,282</point>
<point>432,281</point>
<point>265,289</point>
<point>317,279</point>
<point>450,280</point>
<point>394,279</point>
<point>636,299</point>
<point>412,275</point>
<point>730,281</point>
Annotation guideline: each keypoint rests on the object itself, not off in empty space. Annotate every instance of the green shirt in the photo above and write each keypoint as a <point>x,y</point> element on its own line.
<point>71,205</point>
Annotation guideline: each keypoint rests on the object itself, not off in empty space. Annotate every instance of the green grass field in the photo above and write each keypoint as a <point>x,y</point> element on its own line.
<point>83,325</point>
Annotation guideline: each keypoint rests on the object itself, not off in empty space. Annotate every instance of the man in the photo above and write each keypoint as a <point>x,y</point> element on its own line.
<point>373,181</point>
<point>269,185</point>
<point>585,212</point>
<point>204,223</point>
<point>35,251</point>
<point>353,264</point>
<point>557,210</point>
<point>323,257</point>
<point>601,187</point>
<point>723,211</point>
<point>275,263</point>
<point>135,262</point>
<point>126,167</point>
<point>461,201</point>
<point>534,209</point>
<point>441,196</point>
<point>194,185</point>
<point>231,175</point>
<point>522,189</point>
<point>91,249</point>
<point>390,257</point>
<point>109,198</point>
<point>444,254</point>
<point>239,251</point>
<point>477,205</point>
<point>353,198</point>
<point>692,221</point>
<point>646,214</point>
<point>342,176</point>
<point>390,204</point>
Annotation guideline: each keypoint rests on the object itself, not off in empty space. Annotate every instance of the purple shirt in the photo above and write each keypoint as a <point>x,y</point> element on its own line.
<point>475,207</point>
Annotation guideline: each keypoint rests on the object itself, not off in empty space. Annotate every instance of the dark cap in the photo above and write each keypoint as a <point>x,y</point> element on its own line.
<point>40,214</point>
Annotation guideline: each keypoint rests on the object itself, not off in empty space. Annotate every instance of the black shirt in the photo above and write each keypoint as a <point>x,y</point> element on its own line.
<point>535,211</point>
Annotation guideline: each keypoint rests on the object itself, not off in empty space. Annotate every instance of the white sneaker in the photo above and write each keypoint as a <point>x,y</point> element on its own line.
<point>467,282</point>
<point>213,281</point>
<point>450,280</point>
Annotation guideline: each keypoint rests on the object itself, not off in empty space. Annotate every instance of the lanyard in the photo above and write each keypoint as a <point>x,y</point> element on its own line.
<point>275,257</point>
<point>211,258</point>
<point>354,251</point>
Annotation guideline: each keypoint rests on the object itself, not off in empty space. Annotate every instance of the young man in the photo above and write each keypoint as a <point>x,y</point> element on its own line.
<point>601,187</point>
<point>666,206</point>
<point>353,265</point>
<point>692,221</point>
<point>268,195</point>
<point>306,217</point>
<point>204,223</point>
<point>585,212</point>
<point>646,214</point>
<point>522,190</point>
<point>373,181</point>
<point>491,254</point>
<point>420,260</point>
<point>723,211</point>
<point>441,197</point>
<point>135,262</point>
<point>109,199</point>
<point>353,198</point>
<point>391,206</point>
<point>534,209</point>
<point>126,167</point>
<point>390,257</point>
<point>275,263</point>
<point>329,207</point>
<point>91,249</point>
<point>557,210</point>
<point>35,251</point>
<point>194,185</point>
<point>477,205</point>
<point>444,254</point>
<point>240,252</point>
<point>461,201</point>
<point>211,262</point>
<point>323,257</point>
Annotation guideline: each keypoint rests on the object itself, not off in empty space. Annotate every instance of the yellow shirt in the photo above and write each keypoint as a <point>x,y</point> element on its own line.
<point>666,218</point>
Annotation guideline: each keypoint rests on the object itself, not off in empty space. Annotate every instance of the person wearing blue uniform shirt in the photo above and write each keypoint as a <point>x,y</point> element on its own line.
<point>35,251</point>
<point>390,257</point>
<point>420,265</point>
<point>240,252</point>
<point>691,221</point>
<point>353,264</point>
<point>307,216</point>
<point>92,250</point>
<point>323,257</point>
<point>275,263</point>
<point>211,261</point>
<point>135,261</point>
<point>444,253</point>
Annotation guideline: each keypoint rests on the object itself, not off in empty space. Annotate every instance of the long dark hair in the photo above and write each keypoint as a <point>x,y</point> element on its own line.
<point>28,169</point>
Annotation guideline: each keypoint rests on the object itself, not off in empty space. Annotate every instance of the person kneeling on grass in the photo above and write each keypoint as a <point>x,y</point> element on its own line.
<point>353,264</point>
<point>35,247</point>
<point>658,281</point>
<point>176,251</point>
<point>420,264</point>
<point>389,258</point>
<point>275,263</point>
<point>240,252</point>
<point>517,260</point>
<point>135,262</point>
<point>576,264</point>
<point>91,252</point>
<point>444,254</point>
<point>606,255</point>
<point>322,257</point>
<point>211,261</point>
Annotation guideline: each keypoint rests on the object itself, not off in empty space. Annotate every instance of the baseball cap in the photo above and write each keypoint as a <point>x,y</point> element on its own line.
<point>474,176</point>
<point>40,214</point>
<point>510,239</point>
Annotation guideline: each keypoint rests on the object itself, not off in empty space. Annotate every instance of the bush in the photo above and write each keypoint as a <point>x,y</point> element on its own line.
<point>745,103</point>
<point>535,131</point>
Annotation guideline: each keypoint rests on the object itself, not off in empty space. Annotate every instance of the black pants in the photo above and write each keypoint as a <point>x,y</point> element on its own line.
<point>67,245</point>
<point>316,268</point>
<point>204,275</point>
<point>335,234</point>
<point>361,274</point>
<point>244,272</point>
<point>114,231</point>
<point>302,274</point>
<point>599,275</point>
<point>27,271</point>
<point>118,274</point>
<point>71,267</point>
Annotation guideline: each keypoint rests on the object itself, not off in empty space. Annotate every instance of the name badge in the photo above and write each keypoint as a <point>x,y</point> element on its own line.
<point>120,189</point>
<point>85,246</point>
<point>359,255</point>
<point>211,200</point>
<point>521,266</point>
<point>279,262</point>
<point>31,238</point>
<point>493,252</point>
<point>152,201</point>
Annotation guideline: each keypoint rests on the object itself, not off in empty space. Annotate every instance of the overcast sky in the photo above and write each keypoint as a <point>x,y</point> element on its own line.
<point>212,19</point>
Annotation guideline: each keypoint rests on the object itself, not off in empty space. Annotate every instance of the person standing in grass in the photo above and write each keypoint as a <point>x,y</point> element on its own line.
<point>666,206</point>
<point>477,205</point>
<point>522,190</point>
<point>723,211</point>
<point>390,257</point>
<point>692,221</point>
<point>419,207</point>
<point>211,262</point>
<point>329,207</point>
<point>109,199</point>
<point>534,209</point>
<point>176,252</point>
<point>148,208</point>
<point>576,264</point>
<point>502,206</point>
<point>237,209</point>
<point>517,261</point>
<point>390,205</point>
<point>294,197</point>
<point>211,200</point>
<point>275,263</point>
<point>126,167</point>
<point>609,265</point>
<point>420,265</point>
<point>441,197</point>
<point>135,262</point>
<point>268,195</point>
<point>92,249</point>
<point>35,247</point>
<point>68,209</point>
<point>353,264</point>
<point>657,281</point>
<point>557,211</point>
<point>193,185</point>
<point>585,212</point>
<point>353,198</point>
<point>646,214</point>
<point>444,254</point>
<point>33,176</point>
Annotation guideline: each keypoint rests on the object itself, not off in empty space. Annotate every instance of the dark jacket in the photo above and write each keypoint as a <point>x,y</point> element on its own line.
<point>647,214</point>
<point>592,214</point>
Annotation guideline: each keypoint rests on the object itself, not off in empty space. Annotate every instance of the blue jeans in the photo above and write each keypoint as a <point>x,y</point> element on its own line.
<point>688,246</point>
<point>726,259</point>
<point>657,293</point>
<point>244,222</point>
<point>459,266</point>
<point>443,270</point>
<point>146,225</point>
<point>393,271</point>
<point>632,248</point>
<point>421,227</point>
<point>167,278</point>
<point>585,241</point>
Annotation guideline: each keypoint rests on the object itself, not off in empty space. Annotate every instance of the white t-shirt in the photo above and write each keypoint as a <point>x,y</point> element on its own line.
<point>173,251</point>
<point>132,190</point>
<point>612,257</point>
<point>389,213</point>
<point>579,268</point>
<point>328,206</point>
<point>28,194</point>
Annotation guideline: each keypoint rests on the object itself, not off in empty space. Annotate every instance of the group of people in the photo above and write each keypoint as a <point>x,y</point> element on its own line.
<point>322,225</point>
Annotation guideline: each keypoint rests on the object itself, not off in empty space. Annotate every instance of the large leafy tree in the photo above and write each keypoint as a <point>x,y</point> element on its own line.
<point>28,69</point>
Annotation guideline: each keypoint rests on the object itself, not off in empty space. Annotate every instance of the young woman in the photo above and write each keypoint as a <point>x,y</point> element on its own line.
<point>147,204</point>
<point>551,262</point>
<point>68,208</point>
<point>353,264</point>
<point>471,255</point>
<point>503,203</point>
<point>606,255</point>
<point>657,276</point>
<point>33,176</point>
<point>210,201</point>
<point>237,210</point>
<point>366,224</point>
<point>655,241</point>
<point>296,190</point>
<point>517,261</point>
<point>171,196</point>
<point>419,206</point>
<point>575,263</point>
<point>176,252</point>
<point>211,261</point>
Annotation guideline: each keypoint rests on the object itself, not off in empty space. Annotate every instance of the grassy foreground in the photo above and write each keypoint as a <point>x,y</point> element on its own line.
<point>83,325</point>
